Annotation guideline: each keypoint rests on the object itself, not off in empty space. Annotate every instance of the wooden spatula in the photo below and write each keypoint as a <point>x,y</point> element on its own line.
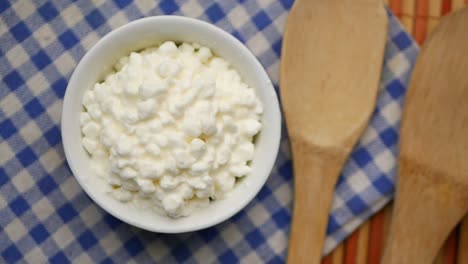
<point>432,189</point>
<point>330,70</point>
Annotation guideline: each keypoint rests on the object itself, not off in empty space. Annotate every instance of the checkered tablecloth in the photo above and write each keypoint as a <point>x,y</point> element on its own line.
<point>46,217</point>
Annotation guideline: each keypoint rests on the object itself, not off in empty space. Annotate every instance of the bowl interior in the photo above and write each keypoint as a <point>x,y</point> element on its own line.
<point>149,32</point>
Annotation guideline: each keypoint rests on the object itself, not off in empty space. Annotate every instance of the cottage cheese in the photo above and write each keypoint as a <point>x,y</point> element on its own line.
<point>171,129</point>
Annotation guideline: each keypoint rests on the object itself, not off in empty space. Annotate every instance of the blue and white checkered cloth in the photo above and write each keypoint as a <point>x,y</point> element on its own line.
<point>46,217</point>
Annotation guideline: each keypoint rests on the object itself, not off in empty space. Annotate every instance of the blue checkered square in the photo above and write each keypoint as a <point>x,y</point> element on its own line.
<point>238,36</point>
<point>34,108</point>
<point>87,240</point>
<point>59,258</point>
<point>384,185</point>
<point>41,60</point>
<point>277,47</point>
<point>26,156</point>
<point>47,185</point>
<point>282,218</point>
<point>20,32</point>
<point>19,206</point>
<point>389,137</point>
<point>255,238</point>
<point>209,234</point>
<point>107,261</point>
<point>122,3</point>
<point>68,39</point>
<point>181,253</point>
<point>396,89</point>
<point>63,223</point>
<point>11,254</point>
<point>356,205</point>
<point>39,233</point>
<point>13,80</point>
<point>362,157</point>
<point>276,260</point>
<point>332,225</point>
<point>286,170</point>
<point>112,221</point>
<point>261,20</point>
<point>168,6</point>
<point>403,41</point>
<point>59,87</point>
<point>8,129</point>
<point>4,5</point>
<point>134,246</point>
<point>95,19</point>
<point>3,177</point>
<point>264,193</point>
<point>53,136</point>
<point>215,13</point>
<point>287,3</point>
<point>48,11</point>
<point>67,212</point>
<point>228,257</point>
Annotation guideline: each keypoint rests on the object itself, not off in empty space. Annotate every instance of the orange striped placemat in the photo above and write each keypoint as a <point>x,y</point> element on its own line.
<point>419,17</point>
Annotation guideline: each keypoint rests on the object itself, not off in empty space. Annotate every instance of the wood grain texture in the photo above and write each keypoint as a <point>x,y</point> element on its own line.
<point>378,226</point>
<point>328,93</point>
<point>432,182</point>
<point>439,259</point>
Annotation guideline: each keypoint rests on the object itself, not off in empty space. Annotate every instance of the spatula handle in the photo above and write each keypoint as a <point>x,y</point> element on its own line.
<point>427,208</point>
<point>315,174</point>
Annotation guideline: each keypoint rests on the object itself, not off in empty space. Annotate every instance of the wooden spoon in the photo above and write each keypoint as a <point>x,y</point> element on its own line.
<point>432,191</point>
<point>331,63</point>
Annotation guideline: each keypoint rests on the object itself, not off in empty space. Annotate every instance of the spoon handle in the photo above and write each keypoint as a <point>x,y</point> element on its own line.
<point>427,208</point>
<point>316,171</point>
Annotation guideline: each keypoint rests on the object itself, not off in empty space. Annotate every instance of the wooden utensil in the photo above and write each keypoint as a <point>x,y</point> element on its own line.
<point>432,190</point>
<point>331,63</point>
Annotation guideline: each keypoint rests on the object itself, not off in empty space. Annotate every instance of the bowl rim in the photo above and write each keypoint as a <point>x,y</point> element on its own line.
<point>251,57</point>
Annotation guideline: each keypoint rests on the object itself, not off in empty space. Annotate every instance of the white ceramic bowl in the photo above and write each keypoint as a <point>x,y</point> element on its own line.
<point>149,32</point>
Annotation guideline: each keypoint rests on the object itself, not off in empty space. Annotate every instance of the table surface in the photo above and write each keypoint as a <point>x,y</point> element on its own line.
<point>419,17</point>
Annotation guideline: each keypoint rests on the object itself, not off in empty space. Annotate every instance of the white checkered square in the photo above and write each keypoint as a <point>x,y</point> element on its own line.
<point>45,35</point>
<point>17,55</point>
<point>385,161</point>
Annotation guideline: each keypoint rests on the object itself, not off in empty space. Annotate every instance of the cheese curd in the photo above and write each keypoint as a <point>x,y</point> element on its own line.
<point>172,128</point>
